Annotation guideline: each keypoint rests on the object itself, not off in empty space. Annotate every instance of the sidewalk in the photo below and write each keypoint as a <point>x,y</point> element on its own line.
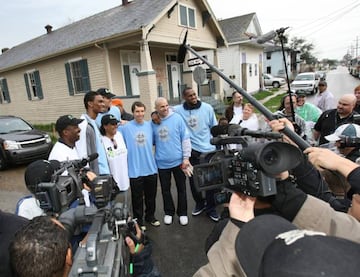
<point>281,90</point>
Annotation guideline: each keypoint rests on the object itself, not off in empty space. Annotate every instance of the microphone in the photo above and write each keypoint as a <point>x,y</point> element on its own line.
<point>90,158</point>
<point>266,37</point>
<point>218,130</point>
<point>182,50</point>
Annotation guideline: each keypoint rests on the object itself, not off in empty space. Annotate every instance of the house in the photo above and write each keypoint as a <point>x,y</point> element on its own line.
<point>130,49</point>
<point>242,60</point>
<point>274,61</point>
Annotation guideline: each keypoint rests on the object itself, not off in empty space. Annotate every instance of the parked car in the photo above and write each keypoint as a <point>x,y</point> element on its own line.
<point>322,75</point>
<point>307,82</point>
<point>21,143</point>
<point>275,82</point>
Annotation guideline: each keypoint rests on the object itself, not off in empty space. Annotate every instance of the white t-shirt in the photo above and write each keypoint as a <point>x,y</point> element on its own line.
<point>62,152</point>
<point>117,159</point>
<point>238,115</point>
<point>252,123</point>
<point>29,208</point>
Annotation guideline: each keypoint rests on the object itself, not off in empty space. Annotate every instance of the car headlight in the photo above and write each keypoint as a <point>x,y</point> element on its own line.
<point>11,145</point>
<point>47,138</point>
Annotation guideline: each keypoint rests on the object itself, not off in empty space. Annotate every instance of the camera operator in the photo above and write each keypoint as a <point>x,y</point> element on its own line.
<point>41,248</point>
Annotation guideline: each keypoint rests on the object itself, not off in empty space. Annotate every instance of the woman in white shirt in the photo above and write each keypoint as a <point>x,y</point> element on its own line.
<point>249,120</point>
<point>116,151</point>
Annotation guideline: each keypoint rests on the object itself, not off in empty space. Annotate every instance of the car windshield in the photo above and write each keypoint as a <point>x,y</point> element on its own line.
<point>13,124</point>
<point>305,77</point>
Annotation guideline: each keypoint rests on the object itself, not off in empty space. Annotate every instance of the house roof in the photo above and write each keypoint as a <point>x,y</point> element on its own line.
<point>234,28</point>
<point>104,25</point>
<point>275,48</point>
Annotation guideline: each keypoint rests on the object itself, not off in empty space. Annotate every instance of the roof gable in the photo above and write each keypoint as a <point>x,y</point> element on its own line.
<point>235,28</point>
<point>106,24</point>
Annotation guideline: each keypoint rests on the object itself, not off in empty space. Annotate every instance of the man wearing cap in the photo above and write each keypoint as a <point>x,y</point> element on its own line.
<point>324,99</point>
<point>331,119</point>
<point>109,108</point>
<point>125,116</point>
<point>343,136</point>
<point>68,129</point>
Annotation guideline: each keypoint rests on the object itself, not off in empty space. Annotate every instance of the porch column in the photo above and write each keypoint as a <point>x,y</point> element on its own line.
<point>219,84</point>
<point>147,79</point>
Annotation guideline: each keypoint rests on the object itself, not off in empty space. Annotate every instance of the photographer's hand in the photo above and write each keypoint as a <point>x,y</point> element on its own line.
<point>278,125</point>
<point>322,158</point>
<point>241,207</point>
<point>135,248</point>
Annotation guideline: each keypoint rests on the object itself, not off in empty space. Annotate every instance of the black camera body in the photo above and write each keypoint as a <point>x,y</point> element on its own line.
<point>250,170</point>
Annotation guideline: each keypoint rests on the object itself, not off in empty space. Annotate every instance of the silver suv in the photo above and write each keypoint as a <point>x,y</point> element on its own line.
<point>307,82</point>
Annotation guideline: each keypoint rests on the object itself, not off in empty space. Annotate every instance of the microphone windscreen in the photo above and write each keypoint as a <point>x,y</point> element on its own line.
<point>182,50</point>
<point>266,37</point>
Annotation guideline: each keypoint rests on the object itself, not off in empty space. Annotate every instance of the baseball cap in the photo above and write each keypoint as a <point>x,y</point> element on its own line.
<point>109,119</point>
<point>345,130</point>
<point>106,93</point>
<point>39,171</point>
<point>269,245</point>
<point>116,102</point>
<point>66,120</point>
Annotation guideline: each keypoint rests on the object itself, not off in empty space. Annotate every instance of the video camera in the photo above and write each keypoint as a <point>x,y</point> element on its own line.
<point>56,191</point>
<point>250,170</point>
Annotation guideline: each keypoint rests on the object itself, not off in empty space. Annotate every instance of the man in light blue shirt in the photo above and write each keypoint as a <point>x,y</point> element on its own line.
<point>199,118</point>
<point>172,153</point>
<point>138,138</point>
<point>109,108</point>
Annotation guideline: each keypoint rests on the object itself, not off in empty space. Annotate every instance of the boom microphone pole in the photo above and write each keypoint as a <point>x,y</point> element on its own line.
<point>268,114</point>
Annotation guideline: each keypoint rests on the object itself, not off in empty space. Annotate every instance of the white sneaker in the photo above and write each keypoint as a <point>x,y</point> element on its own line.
<point>167,219</point>
<point>184,220</point>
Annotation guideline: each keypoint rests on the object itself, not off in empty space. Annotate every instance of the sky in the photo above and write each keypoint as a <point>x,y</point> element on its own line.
<point>332,26</point>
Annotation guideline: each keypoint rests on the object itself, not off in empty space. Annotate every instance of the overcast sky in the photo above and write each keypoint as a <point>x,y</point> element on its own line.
<point>332,26</point>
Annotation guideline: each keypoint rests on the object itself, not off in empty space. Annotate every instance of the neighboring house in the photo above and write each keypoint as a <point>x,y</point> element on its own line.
<point>274,61</point>
<point>130,49</point>
<point>242,60</point>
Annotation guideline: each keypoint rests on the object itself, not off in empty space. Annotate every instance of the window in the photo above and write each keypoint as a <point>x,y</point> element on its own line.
<point>268,55</point>
<point>33,85</point>
<point>4,91</point>
<point>256,70</point>
<point>250,69</point>
<point>187,16</point>
<point>77,74</point>
<point>268,69</point>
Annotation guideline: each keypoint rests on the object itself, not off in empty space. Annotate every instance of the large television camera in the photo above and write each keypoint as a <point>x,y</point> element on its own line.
<point>250,170</point>
<point>57,186</point>
<point>56,191</point>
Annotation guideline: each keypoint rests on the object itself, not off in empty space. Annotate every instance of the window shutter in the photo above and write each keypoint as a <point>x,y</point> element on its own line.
<point>85,75</point>
<point>27,86</point>
<point>38,84</point>
<point>69,79</point>
<point>127,80</point>
<point>5,91</point>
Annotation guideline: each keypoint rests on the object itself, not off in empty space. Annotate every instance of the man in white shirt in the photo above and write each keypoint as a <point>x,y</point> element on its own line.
<point>324,99</point>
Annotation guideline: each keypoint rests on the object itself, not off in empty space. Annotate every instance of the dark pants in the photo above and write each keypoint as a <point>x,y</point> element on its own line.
<point>143,187</point>
<point>180,181</point>
<point>198,196</point>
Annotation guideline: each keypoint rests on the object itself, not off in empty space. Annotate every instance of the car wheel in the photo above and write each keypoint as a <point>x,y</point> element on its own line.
<point>3,163</point>
<point>276,84</point>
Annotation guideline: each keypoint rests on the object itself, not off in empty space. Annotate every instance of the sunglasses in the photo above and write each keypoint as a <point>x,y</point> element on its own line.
<point>114,143</point>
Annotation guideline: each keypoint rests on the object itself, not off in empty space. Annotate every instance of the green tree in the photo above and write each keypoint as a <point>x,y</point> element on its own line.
<point>305,49</point>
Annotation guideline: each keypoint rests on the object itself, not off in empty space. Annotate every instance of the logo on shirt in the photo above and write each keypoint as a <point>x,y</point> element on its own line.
<point>163,133</point>
<point>140,138</point>
<point>192,122</point>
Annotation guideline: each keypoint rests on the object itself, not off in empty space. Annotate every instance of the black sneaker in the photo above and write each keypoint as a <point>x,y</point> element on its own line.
<point>213,215</point>
<point>199,208</point>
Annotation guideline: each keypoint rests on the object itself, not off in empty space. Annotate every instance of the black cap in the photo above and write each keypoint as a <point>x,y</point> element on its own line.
<point>106,93</point>
<point>38,172</point>
<point>109,119</point>
<point>66,120</point>
<point>269,245</point>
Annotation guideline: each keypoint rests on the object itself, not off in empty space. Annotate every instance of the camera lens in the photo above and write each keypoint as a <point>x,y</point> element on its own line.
<point>270,157</point>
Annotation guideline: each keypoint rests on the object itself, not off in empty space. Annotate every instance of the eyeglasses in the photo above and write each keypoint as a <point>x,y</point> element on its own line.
<point>321,85</point>
<point>114,143</point>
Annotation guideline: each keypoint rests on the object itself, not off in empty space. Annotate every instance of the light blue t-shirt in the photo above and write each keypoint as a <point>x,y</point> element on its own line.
<point>115,111</point>
<point>168,137</point>
<point>139,142</point>
<point>199,121</point>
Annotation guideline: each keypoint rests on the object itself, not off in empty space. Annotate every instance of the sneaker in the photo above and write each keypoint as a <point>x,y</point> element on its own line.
<point>155,222</point>
<point>199,208</point>
<point>167,219</point>
<point>183,220</point>
<point>143,228</point>
<point>213,215</point>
